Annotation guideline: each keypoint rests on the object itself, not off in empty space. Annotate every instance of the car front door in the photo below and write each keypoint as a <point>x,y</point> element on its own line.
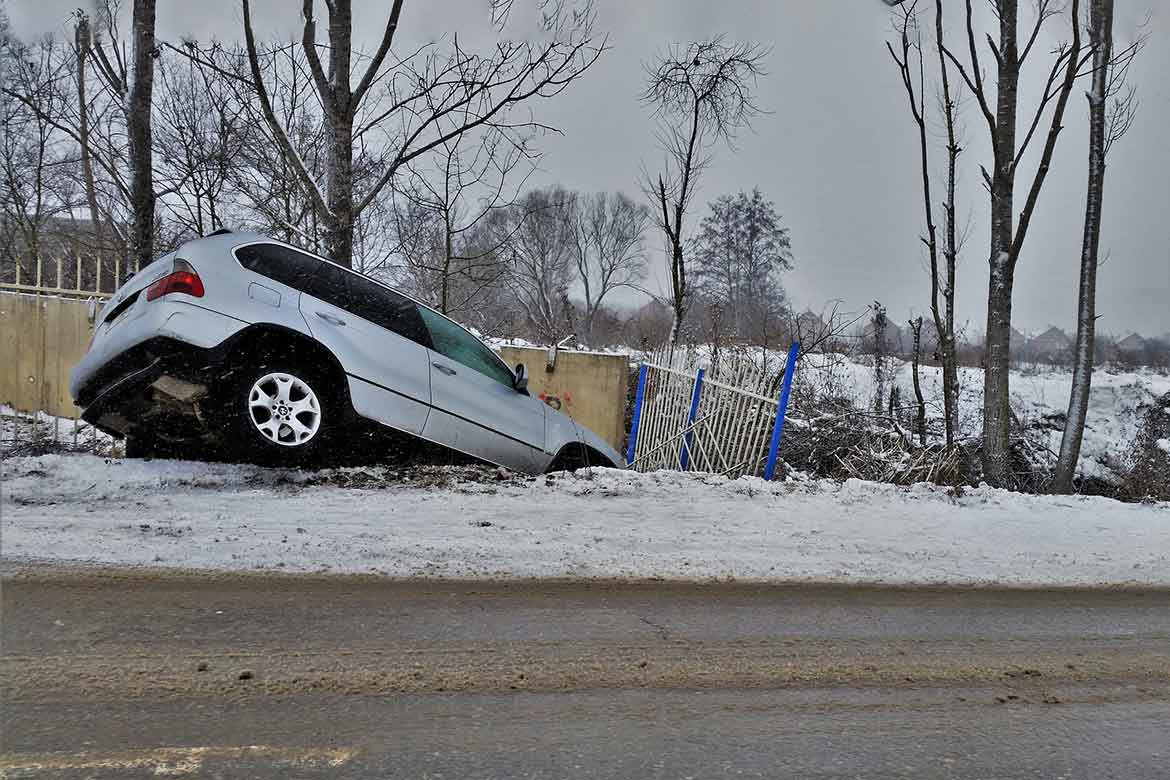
<point>379,338</point>
<point>477,408</point>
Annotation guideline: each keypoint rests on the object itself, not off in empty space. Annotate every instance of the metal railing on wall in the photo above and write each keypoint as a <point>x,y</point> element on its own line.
<point>72,276</point>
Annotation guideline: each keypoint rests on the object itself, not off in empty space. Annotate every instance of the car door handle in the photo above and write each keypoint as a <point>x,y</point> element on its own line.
<point>445,369</point>
<point>330,318</point>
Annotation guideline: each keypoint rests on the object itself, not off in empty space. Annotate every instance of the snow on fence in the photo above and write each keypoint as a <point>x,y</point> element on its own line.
<point>694,414</point>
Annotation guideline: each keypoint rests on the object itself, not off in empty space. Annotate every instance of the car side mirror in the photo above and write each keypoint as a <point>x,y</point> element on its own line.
<point>521,383</point>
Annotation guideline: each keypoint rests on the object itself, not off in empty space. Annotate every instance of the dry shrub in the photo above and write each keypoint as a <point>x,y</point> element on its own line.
<point>1148,474</point>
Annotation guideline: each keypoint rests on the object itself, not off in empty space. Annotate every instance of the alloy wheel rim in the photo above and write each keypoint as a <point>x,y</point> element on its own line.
<point>284,409</point>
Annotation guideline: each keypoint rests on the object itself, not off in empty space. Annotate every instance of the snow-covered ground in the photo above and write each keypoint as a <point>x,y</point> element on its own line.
<point>464,523</point>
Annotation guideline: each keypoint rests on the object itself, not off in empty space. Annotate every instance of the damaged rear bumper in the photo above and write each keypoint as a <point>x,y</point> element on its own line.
<point>158,377</point>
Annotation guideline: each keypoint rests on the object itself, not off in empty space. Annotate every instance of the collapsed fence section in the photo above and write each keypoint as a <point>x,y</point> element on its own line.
<point>715,418</point>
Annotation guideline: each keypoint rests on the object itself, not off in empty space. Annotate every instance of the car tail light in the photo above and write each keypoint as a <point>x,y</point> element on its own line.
<point>183,279</point>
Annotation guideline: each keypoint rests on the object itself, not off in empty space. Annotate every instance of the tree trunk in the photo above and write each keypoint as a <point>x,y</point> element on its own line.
<point>945,323</point>
<point>339,230</point>
<point>997,351</point>
<point>138,130</point>
<point>449,252</point>
<point>920,401</point>
<point>84,40</point>
<point>1101,30</point>
<point>678,281</point>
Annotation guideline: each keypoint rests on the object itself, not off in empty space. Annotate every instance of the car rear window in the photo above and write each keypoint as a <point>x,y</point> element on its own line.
<point>282,263</point>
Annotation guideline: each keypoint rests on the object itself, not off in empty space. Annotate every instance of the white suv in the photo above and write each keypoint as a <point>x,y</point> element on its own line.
<point>247,343</point>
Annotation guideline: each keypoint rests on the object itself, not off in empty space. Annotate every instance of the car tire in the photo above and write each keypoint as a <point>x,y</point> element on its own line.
<point>281,414</point>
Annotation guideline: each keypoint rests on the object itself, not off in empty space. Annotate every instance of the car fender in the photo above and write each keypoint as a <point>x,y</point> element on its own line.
<point>591,439</point>
<point>561,431</point>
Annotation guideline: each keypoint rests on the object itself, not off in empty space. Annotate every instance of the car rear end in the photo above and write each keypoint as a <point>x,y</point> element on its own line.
<point>156,337</point>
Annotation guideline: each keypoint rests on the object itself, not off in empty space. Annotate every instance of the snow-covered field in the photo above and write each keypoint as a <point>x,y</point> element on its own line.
<point>464,523</point>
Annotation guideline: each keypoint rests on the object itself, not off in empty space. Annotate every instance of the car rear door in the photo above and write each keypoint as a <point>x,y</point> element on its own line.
<point>379,338</point>
<point>476,408</point>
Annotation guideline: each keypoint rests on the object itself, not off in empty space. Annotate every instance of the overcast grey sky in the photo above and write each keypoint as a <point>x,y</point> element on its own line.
<point>837,153</point>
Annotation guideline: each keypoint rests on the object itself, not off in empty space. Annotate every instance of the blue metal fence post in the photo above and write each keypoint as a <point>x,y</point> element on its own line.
<point>630,447</point>
<point>684,457</point>
<point>781,412</point>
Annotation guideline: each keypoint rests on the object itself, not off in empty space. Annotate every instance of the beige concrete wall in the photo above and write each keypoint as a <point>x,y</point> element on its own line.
<point>41,338</point>
<point>588,387</point>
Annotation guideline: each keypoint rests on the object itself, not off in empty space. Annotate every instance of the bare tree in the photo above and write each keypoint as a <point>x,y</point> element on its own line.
<point>264,175</point>
<point>738,255</point>
<point>424,101</point>
<point>701,94</point>
<point>199,137</point>
<point>608,231</point>
<point>101,73</point>
<point>1106,125</point>
<point>910,59</point>
<point>98,125</point>
<point>33,154</point>
<point>466,180</point>
<point>1001,113</point>
<point>83,42</point>
<point>537,242</point>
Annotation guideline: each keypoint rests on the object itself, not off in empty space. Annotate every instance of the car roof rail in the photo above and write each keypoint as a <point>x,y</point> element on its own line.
<point>220,232</point>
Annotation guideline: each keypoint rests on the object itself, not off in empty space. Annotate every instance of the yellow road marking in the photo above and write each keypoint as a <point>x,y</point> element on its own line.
<point>171,761</point>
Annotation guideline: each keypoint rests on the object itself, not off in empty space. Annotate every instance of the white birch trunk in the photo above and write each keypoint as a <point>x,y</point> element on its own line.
<point>1101,30</point>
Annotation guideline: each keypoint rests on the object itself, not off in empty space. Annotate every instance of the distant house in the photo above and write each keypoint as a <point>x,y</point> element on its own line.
<point>1132,346</point>
<point>896,340</point>
<point>1018,343</point>
<point>1051,346</point>
<point>810,320</point>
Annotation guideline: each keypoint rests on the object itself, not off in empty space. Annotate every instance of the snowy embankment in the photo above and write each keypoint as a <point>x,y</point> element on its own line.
<point>463,523</point>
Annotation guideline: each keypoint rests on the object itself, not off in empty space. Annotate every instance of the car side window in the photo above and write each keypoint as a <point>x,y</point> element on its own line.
<point>454,342</point>
<point>373,302</point>
<point>370,301</point>
<point>329,284</point>
<point>285,265</point>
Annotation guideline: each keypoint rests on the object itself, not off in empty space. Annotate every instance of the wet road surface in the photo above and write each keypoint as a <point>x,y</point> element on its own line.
<point>149,674</point>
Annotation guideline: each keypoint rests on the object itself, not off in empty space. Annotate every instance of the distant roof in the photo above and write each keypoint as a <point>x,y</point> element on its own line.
<point>1133,341</point>
<point>1054,334</point>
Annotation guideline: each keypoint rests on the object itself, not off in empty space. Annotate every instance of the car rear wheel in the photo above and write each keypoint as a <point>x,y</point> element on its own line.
<point>280,414</point>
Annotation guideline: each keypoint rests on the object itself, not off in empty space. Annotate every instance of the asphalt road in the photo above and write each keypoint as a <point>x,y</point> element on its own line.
<point>149,674</point>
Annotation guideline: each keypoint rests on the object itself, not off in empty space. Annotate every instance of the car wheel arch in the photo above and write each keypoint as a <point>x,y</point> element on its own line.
<point>577,454</point>
<point>275,342</point>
